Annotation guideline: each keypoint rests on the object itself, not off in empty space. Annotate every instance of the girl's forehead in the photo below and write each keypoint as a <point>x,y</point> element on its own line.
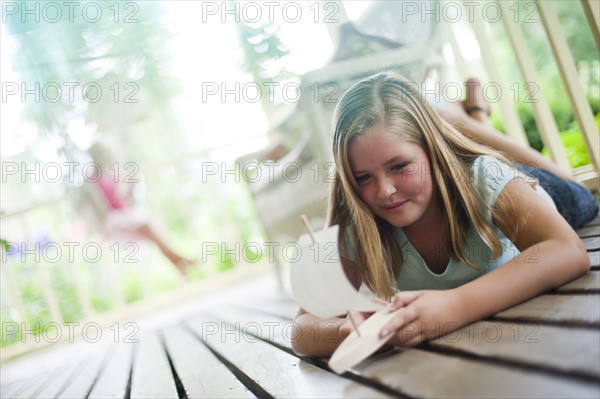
<point>380,136</point>
<point>378,146</point>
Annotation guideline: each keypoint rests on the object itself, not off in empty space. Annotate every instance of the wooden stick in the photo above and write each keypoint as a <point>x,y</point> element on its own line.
<point>353,323</point>
<point>308,227</point>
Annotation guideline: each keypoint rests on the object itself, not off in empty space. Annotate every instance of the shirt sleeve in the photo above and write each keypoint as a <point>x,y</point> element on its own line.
<point>490,176</point>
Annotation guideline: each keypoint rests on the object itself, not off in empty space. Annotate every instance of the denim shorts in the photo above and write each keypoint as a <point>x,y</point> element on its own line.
<point>574,202</point>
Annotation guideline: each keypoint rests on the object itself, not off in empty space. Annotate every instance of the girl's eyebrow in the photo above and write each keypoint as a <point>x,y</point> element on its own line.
<point>394,160</point>
<point>391,161</point>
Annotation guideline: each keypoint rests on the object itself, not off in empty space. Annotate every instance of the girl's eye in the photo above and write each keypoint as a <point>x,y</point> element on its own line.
<point>399,166</point>
<point>361,178</point>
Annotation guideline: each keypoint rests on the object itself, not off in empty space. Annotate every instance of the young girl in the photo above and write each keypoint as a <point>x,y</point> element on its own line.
<point>437,222</point>
<point>120,213</point>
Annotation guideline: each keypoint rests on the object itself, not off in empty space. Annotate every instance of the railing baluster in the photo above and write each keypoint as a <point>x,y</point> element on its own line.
<point>459,59</point>
<point>41,275</point>
<point>510,117</point>
<point>82,293</point>
<point>566,66</point>
<point>13,293</point>
<point>541,110</point>
<point>48,293</point>
<point>592,13</point>
<point>115,282</point>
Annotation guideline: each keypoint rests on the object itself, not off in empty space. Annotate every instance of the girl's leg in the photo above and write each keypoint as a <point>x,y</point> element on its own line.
<point>476,126</point>
<point>574,202</point>
<point>181,263</point>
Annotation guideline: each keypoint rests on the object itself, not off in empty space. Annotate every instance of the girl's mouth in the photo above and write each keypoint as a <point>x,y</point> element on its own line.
<point>395,207</point>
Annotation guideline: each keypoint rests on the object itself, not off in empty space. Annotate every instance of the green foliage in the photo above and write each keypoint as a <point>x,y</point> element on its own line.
<point>574,145</point>
<point>226,261</point>
<point>251,255</point>
<point>5,245</point>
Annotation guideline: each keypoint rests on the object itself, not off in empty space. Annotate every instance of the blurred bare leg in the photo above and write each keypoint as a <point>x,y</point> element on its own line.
<point>477,127</point>
<point>181,263</point>
<point>475,104</point>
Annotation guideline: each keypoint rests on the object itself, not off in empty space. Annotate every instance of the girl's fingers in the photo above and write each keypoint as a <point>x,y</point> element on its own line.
<point>410,332</point>
<point>381,301</point>
<point>402,299</point>
<point>403,316</point>
<point>414,340</point>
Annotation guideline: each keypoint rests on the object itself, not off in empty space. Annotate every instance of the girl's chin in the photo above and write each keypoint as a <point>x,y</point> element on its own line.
<point>397,222</point>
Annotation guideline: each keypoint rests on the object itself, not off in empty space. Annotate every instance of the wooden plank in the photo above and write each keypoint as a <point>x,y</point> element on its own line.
<point>10,389</point>
<point>36,384</point>
<point>567,309</point>
<point>563,349</point>
<point>588,231</point>
<point>417,373</point>
<point>588,282</point>
<point>266,326</point>
<point>271,372</point>
<point>594,258</point>
<point>56,384</point>
<point>283,307</point>
<point>201,373</point>
<point>591,243</point>
<point>594,222</point>
<point>152,376</point>
<point>115,376</point>
<point>82,382</point>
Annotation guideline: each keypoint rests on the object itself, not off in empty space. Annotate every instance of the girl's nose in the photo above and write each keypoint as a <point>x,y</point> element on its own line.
<point>386,188</point>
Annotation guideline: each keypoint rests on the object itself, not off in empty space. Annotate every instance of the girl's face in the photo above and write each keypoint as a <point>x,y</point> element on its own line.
<point>394,177</point>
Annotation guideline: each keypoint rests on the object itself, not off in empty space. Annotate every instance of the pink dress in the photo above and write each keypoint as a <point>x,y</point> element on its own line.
<point>121,217</point>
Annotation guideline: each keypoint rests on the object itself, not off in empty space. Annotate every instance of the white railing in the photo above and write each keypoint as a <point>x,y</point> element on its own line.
<point>33,278</point>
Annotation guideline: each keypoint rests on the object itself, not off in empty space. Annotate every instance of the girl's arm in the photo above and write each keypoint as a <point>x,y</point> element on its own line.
<point>316,337</point>
<point>551,255</point>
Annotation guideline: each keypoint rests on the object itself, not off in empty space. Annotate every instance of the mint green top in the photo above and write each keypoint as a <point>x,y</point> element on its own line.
<point>490,177</point>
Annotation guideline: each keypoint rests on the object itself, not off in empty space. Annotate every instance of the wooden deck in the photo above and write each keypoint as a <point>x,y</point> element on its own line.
<point>240,347</point>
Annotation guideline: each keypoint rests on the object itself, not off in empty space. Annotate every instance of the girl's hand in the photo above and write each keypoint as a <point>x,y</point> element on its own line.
<point>424,315</point>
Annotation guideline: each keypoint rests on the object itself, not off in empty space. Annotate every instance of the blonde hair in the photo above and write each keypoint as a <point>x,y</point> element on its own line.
<point>388,99</point>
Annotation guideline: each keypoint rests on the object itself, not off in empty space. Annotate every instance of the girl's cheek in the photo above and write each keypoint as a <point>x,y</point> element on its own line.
<point>366,196</point>
<point>413,182</point>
